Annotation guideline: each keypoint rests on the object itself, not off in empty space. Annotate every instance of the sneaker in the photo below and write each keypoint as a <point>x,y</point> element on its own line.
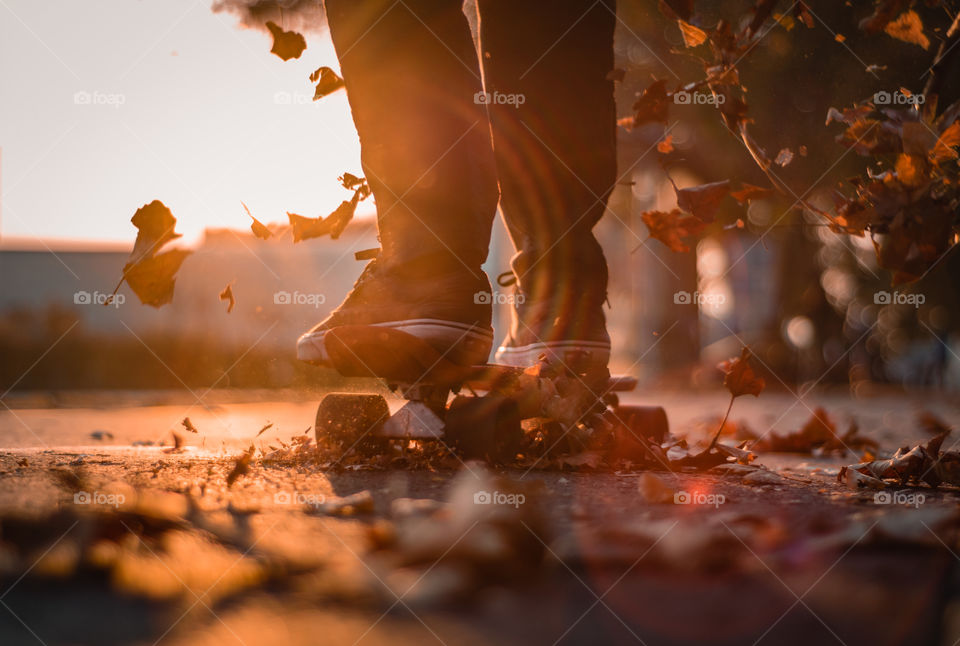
<point>561,321</point>
<point>438,300</point>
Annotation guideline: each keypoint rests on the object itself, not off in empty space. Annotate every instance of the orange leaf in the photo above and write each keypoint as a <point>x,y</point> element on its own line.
<point>908,28</point>
<point>692,36</point>
<point>750,192</point>
<point>671,228</point>
<point>739,378</point>
<point>666,146</point>
<point>949,139</point>
<point>703,200</point>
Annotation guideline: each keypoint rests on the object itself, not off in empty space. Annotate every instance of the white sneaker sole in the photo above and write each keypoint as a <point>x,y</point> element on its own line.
<point>562,352</point>
<point>461,343</point>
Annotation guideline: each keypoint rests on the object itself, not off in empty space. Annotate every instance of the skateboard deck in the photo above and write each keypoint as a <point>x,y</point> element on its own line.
<point>398,357</point>
<point>485,424</point>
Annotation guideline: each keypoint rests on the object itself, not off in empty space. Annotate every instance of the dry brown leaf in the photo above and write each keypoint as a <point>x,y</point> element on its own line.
<point>227,295</point>
<point>671,228</point>
<point>909,28</point>
<point>704,200</point>
<point>150,275</point>
<point>739,378</point>
<point>286,44</point>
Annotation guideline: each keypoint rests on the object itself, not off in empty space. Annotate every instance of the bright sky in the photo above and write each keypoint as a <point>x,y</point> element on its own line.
<point>208,118</point>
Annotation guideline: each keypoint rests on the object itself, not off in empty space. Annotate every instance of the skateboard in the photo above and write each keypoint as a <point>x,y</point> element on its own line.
<point>492,407</point>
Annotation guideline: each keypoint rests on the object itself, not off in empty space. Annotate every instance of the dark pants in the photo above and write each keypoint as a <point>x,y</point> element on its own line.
<point>413,79</point>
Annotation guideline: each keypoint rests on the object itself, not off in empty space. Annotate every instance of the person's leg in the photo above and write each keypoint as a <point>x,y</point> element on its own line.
<point>411,76</point>
<point>556,162</point>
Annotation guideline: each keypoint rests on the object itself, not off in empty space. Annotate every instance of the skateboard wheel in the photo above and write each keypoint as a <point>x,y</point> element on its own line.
<point>649,422</point>
<point>484,427</point>
<point>348,418</point>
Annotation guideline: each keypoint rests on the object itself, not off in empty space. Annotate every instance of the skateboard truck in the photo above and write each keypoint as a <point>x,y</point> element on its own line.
<point>486,423</point>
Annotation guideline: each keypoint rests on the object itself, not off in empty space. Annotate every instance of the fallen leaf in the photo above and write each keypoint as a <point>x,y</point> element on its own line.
<point>818,433</point>
<point>922,463</point>
<point>739,378</point>
<point>286,44</point>
<point>655,490</point>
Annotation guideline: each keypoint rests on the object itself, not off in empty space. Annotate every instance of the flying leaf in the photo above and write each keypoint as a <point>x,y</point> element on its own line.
<point>305,228</point>
<point>784,157</point>
<point>241,467</point>
<point>259,229</point>
<point>153,279</point>
<point>187,424</point>
<point>665,146</point>
<point>653,104</point>
<point>265,429</point>
<point>227,295</point>
<point>909,28</point>
<point>739,378</point>
<point>703,200</point>
<point>286,44</point>
<point>672,227</point>
<point>949,139</point>
<point>692,36</point>
<point>327,82</point>
<point>749,192</point>
<point>150,275</point>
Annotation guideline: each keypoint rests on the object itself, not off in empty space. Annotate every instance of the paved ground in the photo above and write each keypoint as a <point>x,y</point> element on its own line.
<point>169,553</point>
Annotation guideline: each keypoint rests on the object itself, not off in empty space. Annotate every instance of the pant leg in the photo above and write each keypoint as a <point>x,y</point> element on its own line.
<point>411,75</point>
<point>556,152</point>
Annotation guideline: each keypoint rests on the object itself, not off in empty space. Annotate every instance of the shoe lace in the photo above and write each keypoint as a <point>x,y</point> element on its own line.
<point>367,254</point>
